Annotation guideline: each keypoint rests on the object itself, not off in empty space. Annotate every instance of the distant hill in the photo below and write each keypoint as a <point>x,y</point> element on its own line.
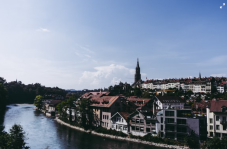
<point>72,90</point>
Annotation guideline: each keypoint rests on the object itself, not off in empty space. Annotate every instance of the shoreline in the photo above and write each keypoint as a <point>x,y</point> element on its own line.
<point>121,138</point>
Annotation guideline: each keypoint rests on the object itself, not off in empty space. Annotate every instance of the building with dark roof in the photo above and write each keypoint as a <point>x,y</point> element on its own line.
<point>216,119</point>
<point>164,102</point>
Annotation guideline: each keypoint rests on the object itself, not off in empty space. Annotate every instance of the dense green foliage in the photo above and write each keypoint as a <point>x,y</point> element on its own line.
<point>216,143</point>
<point>13,140</point>
<point>21,93</point>
<point>38,101</point>
<point>3,100</point>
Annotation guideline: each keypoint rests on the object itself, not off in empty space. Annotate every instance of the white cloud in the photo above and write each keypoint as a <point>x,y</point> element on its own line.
<point>220,7</point>
<point>105,76</point>
<point>217,60</point>
<point>223,4</point>
<point>87,55</point>
<point>43,30</point>
<point>218,75</point>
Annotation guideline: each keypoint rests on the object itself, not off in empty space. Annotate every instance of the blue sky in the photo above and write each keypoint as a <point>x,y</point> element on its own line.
<point>91,44</point>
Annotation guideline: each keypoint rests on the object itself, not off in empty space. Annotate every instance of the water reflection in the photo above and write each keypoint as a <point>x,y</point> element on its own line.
<point>46,133</point>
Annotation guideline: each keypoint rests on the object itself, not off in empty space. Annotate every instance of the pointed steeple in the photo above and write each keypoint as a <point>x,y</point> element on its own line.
<point>138,63</point>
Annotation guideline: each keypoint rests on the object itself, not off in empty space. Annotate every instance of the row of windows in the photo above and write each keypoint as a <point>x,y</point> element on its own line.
<point>217,127</point>
<point>218,134</point>
<point>137,128</point>
<point>141,121</point>
<point>106,117</point>
<point>218,118</point>
<point>105,124</point>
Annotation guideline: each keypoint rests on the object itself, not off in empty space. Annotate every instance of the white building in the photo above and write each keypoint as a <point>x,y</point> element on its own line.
<point>163,102</point>
<point>119,122</point>
<point>216,119</point>
<point>221,89</point>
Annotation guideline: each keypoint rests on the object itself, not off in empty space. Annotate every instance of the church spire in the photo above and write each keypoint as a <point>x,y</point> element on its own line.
<point>199,75</point>
<point>137,74</point>
<point>138,63</point>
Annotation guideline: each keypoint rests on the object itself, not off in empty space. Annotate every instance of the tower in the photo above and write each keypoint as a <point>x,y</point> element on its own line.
<point>199,75</point>
<point>137,74</point>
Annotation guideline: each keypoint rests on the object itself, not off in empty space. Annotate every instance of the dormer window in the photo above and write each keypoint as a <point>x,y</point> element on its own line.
<point>223,109</point>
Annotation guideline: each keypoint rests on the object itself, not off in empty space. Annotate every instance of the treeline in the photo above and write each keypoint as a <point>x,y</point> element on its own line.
<point>17,92</point>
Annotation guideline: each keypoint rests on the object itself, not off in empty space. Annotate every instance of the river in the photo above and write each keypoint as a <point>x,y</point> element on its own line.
<point>45,133</point>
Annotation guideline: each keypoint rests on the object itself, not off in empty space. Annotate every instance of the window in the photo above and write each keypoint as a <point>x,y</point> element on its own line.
<point>137,128</point>
<point>141,121</point>
<point>217,135</point>
<point>122,120</point>
<point>217,118</point>
<point>169,113</point>
<point>107,116</point>
<point>106,124</point>
<point>141,128</point>
<point>133,127</point>
<point>211,134</point>
<point>148,129</point>
<point>133,120</point>
<point>217,127</point>
<point>224,127</point>
<point>137,121</point>
<point>148,122</point>
<point>153,124</point>
<point>161,127</point>
<point>161,120</point>
<point>181,121</point>
<point>125,128</point>
<point>211,127</point>
<point>211,120</point>
<point>112,126</point>
<point>103,116</point>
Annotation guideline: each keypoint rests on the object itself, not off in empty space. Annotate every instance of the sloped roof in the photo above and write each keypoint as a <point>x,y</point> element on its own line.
<point>216,106</point>
<point>170,99</point>
<point>124,114</point>
<point>105,101</point>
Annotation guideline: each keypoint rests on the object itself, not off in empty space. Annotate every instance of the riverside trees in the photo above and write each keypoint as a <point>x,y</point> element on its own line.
<point>38,101</point>
<point>13,140</point>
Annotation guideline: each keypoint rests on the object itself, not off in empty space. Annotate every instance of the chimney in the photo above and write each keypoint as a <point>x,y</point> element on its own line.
<point>154,108</point>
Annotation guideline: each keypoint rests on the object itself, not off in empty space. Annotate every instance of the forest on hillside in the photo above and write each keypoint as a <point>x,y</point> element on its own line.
<point>17,92</point>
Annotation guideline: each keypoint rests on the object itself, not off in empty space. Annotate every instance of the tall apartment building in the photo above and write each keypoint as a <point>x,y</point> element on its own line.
<point>216,119</point>
<point>177,123</point>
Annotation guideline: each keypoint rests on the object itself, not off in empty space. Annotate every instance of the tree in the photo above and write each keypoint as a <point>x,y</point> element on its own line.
<point>137,92</point>
<point>190,140</point>
<point>15,139</point>
<point>70,105</point>
<point>86,114</point>
<point>38,101</point>
<point>3,99</point>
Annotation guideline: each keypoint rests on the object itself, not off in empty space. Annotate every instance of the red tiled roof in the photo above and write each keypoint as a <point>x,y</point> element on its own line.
<point>124,114</point>
<point>216,106</point>
<point>138,101</point>
<point>105,101</point>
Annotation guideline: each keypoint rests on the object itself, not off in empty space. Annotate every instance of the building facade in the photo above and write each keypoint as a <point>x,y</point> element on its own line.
<point>216,119</point>
<point>176,124</point>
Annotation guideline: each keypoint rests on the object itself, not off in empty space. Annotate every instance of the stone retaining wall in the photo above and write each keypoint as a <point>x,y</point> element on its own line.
<point>122,138</point>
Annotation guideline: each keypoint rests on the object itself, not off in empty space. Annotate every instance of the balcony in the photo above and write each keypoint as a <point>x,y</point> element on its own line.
<point>223,122</point>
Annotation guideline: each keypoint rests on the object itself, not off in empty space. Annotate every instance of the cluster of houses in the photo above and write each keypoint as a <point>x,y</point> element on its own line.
<point>164,116</point>
<point>197,85</point>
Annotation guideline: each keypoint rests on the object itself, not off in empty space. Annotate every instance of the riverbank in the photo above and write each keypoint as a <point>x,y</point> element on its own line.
<point>122,138</point>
